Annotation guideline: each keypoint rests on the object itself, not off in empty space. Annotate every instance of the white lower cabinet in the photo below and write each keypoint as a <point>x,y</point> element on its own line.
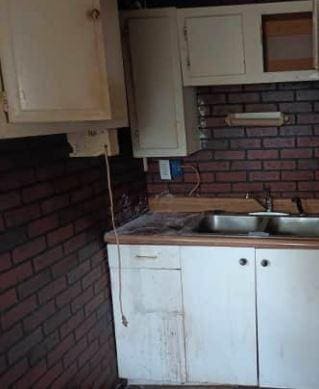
<point>220,321</point>
<point>206,315</point>
<point>288,318</point>
<point>151,348</point>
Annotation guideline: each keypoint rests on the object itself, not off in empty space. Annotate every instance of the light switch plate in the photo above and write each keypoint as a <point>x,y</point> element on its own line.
<point>165,169</point>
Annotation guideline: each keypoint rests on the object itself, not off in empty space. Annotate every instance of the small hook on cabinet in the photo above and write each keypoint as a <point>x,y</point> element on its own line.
<point>94,14</point>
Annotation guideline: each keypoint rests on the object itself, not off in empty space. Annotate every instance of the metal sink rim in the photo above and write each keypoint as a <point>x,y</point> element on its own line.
<point>265,226</point>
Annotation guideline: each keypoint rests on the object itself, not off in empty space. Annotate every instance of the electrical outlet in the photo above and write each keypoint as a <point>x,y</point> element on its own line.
<point>165,169</point>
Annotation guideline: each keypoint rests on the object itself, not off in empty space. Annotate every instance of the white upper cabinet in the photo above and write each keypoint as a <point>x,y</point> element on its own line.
<point>316,33</point>
<point>163,113</point>
<point>253,43</point>
<point>61,61</point>
<point>151,348</point>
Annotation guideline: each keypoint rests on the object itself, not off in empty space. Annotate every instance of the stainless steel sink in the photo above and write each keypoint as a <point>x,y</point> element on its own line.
<point>229,224</point>
<point>234,224</point>
<point>294,226</point>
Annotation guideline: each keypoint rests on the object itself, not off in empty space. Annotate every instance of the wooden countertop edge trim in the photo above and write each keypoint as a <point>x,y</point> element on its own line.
<point>216,241</point>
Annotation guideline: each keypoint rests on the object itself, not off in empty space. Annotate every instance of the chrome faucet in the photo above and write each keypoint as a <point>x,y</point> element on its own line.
<point>267,203</point>
<point>298,202</point>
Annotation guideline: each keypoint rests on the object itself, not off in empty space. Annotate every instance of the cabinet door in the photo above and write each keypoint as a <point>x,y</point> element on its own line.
<point>220,322</point>
<point>215,45</point>
<point>160,126</point>
<point>151,348</point>
<point>53,60</point>
<point>212,45</point>
<point>288,318</point>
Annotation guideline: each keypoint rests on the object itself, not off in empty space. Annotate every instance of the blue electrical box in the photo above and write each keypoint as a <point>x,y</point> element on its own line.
<point>176,168</point>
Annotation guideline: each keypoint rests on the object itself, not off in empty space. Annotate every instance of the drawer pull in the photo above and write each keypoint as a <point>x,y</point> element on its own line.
<point>146,256</point>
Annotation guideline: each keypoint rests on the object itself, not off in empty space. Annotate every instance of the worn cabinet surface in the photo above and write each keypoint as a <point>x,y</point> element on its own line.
<point>163,113</point>
<point>61,61</point>
<point>220,320</point>
<point>151,348</point>
<point>288,318</point>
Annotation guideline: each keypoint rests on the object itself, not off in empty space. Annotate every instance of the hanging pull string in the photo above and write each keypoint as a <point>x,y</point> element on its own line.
<point>198,180</point>
<point>109,185</point>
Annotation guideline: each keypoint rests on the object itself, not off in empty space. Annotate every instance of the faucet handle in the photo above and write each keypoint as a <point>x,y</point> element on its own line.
<point>268,191</point>
<point>268,200</point>
<point>297,200</point>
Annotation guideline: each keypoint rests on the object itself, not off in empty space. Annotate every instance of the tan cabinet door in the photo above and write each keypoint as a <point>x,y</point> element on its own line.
<point>153,75</point>
<point>215,45</point>
<point>163,113</point>
<point>53,60</point>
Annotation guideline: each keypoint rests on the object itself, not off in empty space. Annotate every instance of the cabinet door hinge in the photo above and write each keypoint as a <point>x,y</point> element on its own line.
<point>185,32</point>
<point>188,61</point>
<point>4,101</point>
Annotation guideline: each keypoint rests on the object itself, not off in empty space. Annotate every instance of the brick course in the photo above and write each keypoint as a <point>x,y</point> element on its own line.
<point>56,318</point>
<point>250,159</point>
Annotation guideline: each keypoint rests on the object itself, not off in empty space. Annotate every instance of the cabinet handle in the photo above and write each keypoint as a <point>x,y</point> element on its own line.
<point>146,256</point>
<point>243,261</point>
<point>94,14</point>
<point>264,263</point>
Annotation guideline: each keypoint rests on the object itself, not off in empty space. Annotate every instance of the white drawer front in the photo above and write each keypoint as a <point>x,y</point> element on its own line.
<point>142,256</point>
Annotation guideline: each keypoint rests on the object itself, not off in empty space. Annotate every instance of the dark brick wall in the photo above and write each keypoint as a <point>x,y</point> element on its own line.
<point>234,161</point>
<point>56,317</point>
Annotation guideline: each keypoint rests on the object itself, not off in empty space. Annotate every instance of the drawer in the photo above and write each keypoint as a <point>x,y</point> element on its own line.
<point>145,257</point>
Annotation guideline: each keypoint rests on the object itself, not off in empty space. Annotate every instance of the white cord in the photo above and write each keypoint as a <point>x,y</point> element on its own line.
<point>109,185</point>
<point>198,182</point>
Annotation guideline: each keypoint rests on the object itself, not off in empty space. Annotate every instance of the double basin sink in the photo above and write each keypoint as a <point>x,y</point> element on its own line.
<point>262,225</point>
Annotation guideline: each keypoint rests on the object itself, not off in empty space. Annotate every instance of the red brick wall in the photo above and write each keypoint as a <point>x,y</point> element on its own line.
<point>56,317</point>
<point>234,161</point>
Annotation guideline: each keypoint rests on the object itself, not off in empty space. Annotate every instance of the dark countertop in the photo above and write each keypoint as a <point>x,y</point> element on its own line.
<point>177,229</point>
